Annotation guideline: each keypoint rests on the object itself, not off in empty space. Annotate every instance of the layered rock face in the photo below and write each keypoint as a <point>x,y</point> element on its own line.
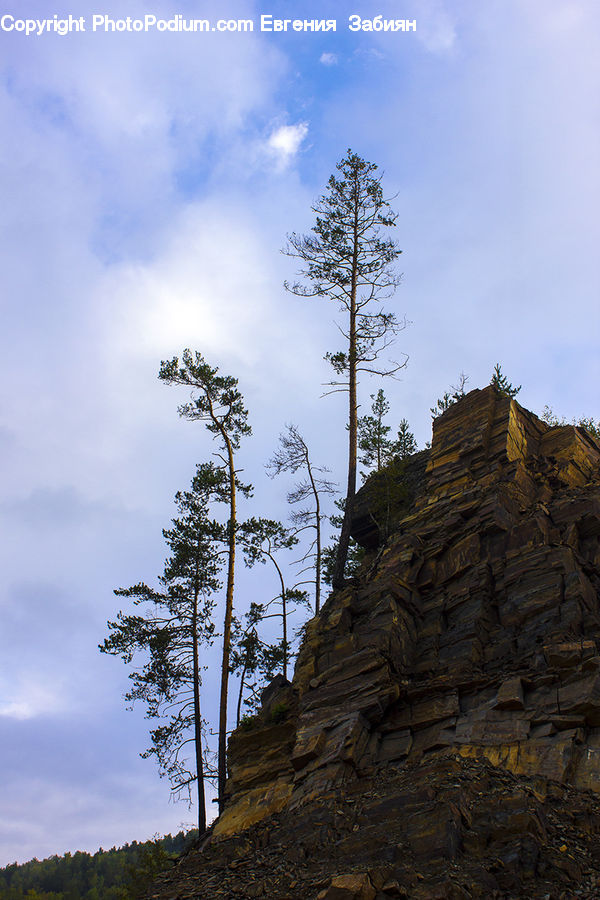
<point>466,654</point>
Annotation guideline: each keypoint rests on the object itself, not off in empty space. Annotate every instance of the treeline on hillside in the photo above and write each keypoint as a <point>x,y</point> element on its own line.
<point>116,874</point>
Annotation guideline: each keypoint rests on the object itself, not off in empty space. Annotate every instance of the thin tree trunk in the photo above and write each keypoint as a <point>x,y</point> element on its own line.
<point>342,554</point>
<point>318,527</point>
<point>284,618</point>
<point>240,694</point>
<point>222,764</point>
<point>283,615</point>
<point>344,542</point>
<point>197,714</point>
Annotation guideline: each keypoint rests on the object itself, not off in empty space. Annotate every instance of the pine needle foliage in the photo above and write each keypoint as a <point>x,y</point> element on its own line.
<point>500,381</point>
<point>175,622</point>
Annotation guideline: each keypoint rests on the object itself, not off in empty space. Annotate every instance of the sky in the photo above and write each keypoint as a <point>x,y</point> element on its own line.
<point>149,180</point>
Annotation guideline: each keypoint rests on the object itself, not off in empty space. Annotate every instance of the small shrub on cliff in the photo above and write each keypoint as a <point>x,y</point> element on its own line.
<point>591,425</point>
<point>500,381</point>
<point>249,723</point>
<point>455,393</point>
<point>279,713</point>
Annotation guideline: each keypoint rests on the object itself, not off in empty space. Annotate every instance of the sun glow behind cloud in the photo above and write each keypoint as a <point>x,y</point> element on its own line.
<point>207,287</point>
<point>284,143</point>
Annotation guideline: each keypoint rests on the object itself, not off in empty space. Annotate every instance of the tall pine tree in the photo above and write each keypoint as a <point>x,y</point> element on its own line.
<point>176,622</point>
<point>349,260</point>
<point>217,402</point>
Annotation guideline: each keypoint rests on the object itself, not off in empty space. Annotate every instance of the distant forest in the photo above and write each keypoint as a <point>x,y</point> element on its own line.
<point>116,874</point>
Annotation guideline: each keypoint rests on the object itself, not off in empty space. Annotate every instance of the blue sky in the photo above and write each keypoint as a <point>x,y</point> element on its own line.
<point>148,183</point>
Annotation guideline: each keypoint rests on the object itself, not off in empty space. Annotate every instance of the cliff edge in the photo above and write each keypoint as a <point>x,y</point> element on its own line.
<point>441,735</point>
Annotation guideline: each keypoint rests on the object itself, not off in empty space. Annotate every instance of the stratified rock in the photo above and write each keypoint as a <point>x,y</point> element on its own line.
<point>445,709</point>
<point>443,828</point>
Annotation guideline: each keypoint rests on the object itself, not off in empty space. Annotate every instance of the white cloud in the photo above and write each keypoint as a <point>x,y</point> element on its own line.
<point>207,287</point>
<point>32,698</point>
<point>118,128</point>
<point>328,59</point>
<point>285,142</point>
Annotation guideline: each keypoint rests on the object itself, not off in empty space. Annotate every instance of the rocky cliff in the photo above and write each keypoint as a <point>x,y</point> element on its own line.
<point>441,736</point>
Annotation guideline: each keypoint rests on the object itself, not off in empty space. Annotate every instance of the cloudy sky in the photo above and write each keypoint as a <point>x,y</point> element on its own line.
<point>148,183</point>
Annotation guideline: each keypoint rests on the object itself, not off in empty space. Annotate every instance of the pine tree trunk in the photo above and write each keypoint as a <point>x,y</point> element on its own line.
<point>241,694</point>
<point>284,623</point>
<point>318,527</point>
<point>197,713</point>
<point>222,763</point>
<point>318,560</point>
<point>344,542</point>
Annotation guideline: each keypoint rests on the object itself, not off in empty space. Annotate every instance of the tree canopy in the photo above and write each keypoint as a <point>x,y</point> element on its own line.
<point>176,621</point>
